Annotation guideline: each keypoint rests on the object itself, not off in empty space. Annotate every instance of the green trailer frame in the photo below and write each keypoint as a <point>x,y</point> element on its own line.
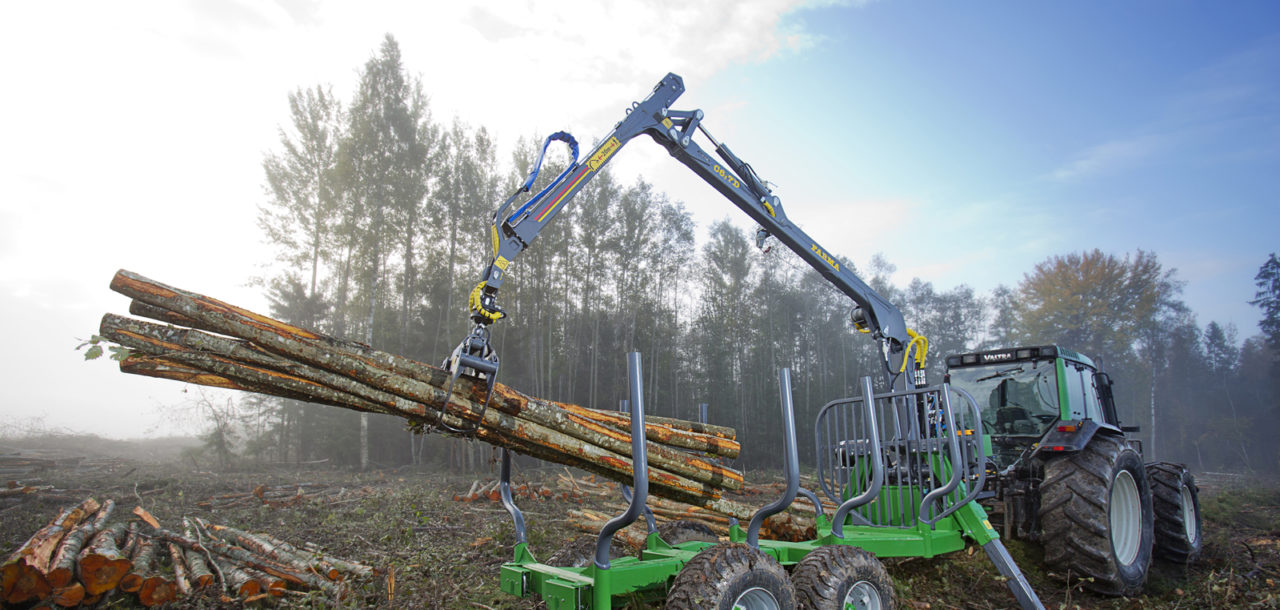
<point>907,519</point>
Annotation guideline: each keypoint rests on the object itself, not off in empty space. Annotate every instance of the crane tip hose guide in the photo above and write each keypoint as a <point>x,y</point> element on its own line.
<point>515,226</point>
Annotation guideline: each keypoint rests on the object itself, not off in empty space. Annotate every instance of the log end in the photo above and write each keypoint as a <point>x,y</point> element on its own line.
<point>156,590</point>
<point>68,596</point>
<point>131,582</point>
<point>101,574</point>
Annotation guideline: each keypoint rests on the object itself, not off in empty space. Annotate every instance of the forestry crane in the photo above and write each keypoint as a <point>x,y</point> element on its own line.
<point>514,227</point>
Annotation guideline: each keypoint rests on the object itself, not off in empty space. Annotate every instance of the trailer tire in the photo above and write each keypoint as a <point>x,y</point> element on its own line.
<point>581,552</point>
<point>676,532</point>
<point>842,577</point>
<point>1176,499</point>
<point>1097,518</point>
<point>728,576</point>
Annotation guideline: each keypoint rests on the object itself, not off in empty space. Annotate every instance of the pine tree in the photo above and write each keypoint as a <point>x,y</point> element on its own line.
<point>1268,300</point>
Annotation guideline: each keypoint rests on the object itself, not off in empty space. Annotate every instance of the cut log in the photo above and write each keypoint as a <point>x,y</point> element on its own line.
<point>181,576</point>
<point>156,590</point>
<point>101,564</point>
<point>268,356</point>
<point>249,559</point>
<point>68,596</point>
<point>22,577</point>
<point>64,561</point>
<point>274,550</point>
<point>238,581</point>
<point>144,557</point>
<point>251,367</point>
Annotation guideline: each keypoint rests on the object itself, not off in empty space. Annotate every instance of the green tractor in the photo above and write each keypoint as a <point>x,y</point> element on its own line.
<point>1062,470</point>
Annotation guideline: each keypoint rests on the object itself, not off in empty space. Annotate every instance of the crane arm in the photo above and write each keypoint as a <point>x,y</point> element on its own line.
<point>514,228</point>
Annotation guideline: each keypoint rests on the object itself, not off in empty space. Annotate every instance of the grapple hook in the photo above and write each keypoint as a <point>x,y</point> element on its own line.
<point>475,358</point>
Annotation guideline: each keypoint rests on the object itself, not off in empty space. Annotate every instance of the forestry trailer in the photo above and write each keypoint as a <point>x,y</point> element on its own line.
<point>1063,471</point>
<point>904,465</point>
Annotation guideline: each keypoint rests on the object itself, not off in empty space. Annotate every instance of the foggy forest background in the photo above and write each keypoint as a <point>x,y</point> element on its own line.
<point>378,214</point>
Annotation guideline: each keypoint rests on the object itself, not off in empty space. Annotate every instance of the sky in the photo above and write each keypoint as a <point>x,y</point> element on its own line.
<point>964,142</point>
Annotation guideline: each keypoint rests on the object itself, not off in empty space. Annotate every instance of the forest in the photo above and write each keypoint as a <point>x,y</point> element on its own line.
<point>377,213</point>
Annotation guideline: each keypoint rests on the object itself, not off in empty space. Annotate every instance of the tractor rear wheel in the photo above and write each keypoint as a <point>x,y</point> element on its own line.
<point>1097,518</point>
<point>842,578</point>
<point>731,577</point>
<point>1177,508</point>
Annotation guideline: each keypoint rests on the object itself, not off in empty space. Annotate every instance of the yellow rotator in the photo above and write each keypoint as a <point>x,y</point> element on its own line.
<point>474,303</point>
<point>922,348</point>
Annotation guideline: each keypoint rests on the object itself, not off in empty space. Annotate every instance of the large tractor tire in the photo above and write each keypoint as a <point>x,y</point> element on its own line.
<point>842,578</point>
<point>1176,499</point>
<point>1097,518</point>
<point>676,532</point>
<point>731,577</point>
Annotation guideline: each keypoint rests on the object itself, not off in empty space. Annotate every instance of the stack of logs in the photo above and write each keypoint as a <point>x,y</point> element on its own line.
<point>208,342</point>
<point>796,523</point>
<point>77,559</point>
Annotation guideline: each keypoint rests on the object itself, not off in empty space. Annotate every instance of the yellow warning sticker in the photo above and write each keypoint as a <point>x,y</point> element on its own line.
<point>606,150</point>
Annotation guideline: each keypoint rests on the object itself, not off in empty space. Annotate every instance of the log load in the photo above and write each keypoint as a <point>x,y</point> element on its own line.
<point>209,342</point>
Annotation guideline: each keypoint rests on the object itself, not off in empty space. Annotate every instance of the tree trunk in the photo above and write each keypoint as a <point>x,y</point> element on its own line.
<point>281,359</point>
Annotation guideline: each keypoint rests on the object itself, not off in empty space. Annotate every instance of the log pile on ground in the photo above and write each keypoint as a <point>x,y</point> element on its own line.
<point>22,464</point>
<point>522,491</point>
<point>208,342</point>
<point>281,496</point>
<point>78,559</point>
<point>15,494</point>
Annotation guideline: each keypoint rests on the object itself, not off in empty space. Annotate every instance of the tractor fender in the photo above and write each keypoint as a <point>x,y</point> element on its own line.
<point>1060,440</point>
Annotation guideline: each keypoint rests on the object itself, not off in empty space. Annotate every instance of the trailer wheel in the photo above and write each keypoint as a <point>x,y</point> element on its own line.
<point>842,578</point>
<point>676,532</point>
<point>581,552</point>
<point>1177,507</point>
<point>1097,518</point>
<point>731,577</point>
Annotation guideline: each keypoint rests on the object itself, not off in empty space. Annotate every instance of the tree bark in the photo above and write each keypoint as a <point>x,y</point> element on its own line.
<point>22,577</point>
<point>64,561</point>
<point>101,564</point>
<point>360,371</point>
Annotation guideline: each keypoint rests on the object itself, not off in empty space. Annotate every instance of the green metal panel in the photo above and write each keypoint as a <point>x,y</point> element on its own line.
<point>1064,401</point>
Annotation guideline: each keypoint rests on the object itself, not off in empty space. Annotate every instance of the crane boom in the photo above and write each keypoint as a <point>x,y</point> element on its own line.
<point>512,231</point>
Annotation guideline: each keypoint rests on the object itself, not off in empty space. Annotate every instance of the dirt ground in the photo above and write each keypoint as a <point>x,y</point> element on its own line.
<point>446,554</point>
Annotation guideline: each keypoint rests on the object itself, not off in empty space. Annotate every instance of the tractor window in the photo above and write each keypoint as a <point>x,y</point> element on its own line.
<point>1016,399</point>
<point>1091,408</point>
<point>1075,391</point>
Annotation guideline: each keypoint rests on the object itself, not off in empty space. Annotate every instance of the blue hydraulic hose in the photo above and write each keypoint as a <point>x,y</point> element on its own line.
<point>562,136</point>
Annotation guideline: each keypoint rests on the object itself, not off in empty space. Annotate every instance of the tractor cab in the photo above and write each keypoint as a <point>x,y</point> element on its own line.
<point>1028,394</point>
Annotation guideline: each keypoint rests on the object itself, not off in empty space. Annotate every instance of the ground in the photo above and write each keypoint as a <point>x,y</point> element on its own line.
<point>446,554</point>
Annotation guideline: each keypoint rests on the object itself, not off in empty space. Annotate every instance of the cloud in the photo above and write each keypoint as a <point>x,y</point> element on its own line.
<point>1111,156</point>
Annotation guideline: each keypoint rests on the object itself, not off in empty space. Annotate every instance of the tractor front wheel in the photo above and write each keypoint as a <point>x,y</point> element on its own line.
<point>731,577</point>
<point>842,578</point>
<point>1097,518</point>
<point>1177,508</point>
